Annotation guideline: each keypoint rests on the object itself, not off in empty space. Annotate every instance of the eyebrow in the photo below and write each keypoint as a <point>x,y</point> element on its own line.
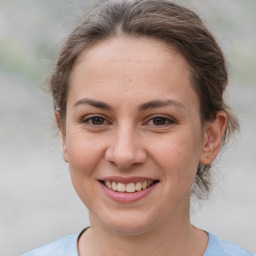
<point>160,104</point>
<point>94,103</point>
<point>142,107</point>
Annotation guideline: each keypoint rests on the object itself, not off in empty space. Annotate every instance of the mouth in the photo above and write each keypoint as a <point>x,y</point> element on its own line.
<point>131,187</point>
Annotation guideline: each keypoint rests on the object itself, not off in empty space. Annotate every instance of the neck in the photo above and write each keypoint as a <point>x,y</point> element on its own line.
<point>171,239</point>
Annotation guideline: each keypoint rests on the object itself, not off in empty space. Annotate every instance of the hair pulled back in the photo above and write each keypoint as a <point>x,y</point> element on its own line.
<point>170,23</point>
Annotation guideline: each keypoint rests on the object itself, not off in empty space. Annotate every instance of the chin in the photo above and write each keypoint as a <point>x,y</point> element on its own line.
<point>128,224</point>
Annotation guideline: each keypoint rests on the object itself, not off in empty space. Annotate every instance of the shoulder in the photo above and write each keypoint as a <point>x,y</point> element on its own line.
<point>218,247</point>
<point>66,246</point>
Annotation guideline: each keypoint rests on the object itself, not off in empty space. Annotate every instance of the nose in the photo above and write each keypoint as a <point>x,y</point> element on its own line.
<point>125,149</point>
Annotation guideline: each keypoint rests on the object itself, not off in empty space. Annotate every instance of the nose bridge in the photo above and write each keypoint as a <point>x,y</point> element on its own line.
<point>125,148</point>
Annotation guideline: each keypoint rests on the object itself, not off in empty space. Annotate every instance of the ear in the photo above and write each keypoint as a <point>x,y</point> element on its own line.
<point>213,133</point>
<point>63,136</point>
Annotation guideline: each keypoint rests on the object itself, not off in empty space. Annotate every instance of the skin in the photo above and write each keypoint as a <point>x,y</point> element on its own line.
<point>129,140</point>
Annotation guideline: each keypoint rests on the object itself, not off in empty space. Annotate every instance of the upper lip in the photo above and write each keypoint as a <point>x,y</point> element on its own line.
<point>127,180</point>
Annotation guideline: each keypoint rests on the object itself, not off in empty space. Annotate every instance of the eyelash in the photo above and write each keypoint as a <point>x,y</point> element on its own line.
<point>89,120</point>
<point>167,121</point>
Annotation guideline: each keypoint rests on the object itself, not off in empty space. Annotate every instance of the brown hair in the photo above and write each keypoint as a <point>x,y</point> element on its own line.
<point>165,21</point>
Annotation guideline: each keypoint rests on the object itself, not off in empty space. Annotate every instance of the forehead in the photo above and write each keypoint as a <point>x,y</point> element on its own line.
<point>133,67</point>
<point>131,49</point>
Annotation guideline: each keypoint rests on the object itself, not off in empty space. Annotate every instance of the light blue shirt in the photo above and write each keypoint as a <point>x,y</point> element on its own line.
<point>67,246</point>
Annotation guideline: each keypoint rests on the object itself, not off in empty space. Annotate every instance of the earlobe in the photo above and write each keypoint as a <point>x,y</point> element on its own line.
<point>63,137</point>
<point>213,134</point>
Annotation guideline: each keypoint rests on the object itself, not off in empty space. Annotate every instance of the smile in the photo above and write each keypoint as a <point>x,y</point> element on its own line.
<point>128,188</point>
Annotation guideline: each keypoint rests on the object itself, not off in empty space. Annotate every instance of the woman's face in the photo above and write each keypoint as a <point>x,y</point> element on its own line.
<point>133,135</point>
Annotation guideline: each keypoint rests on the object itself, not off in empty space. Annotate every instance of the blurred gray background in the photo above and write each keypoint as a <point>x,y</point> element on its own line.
<point>37,200</point>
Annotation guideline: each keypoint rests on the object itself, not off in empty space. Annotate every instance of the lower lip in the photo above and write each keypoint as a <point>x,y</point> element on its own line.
<point>124,197</point>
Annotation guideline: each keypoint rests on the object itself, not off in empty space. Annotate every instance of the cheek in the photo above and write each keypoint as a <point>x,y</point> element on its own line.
<point>178,156</point>
<point>84,153</point>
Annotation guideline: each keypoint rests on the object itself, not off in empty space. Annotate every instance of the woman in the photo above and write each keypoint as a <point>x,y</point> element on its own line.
<point>138,97</point>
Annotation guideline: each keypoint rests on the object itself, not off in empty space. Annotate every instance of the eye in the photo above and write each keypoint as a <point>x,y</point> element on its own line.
<point>95,121</point>
<point>160,121</point>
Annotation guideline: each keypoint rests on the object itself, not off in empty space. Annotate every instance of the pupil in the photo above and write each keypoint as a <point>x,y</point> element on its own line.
<point>97,120</point>
<point>159,121</point>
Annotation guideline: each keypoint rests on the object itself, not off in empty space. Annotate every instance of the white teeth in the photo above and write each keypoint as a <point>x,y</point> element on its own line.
<point>129,188</point>
<point>120,187</point>
<point>138,186</point>
<point>144,184</point>
<point>108,184</point>
<point>114,186</point>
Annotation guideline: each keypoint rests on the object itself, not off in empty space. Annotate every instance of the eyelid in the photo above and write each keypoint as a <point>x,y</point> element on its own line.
<point>86,119</point>
<point>171,120</point>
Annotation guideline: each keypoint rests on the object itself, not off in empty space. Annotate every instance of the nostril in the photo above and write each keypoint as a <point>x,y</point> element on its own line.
<point>124,159</point>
